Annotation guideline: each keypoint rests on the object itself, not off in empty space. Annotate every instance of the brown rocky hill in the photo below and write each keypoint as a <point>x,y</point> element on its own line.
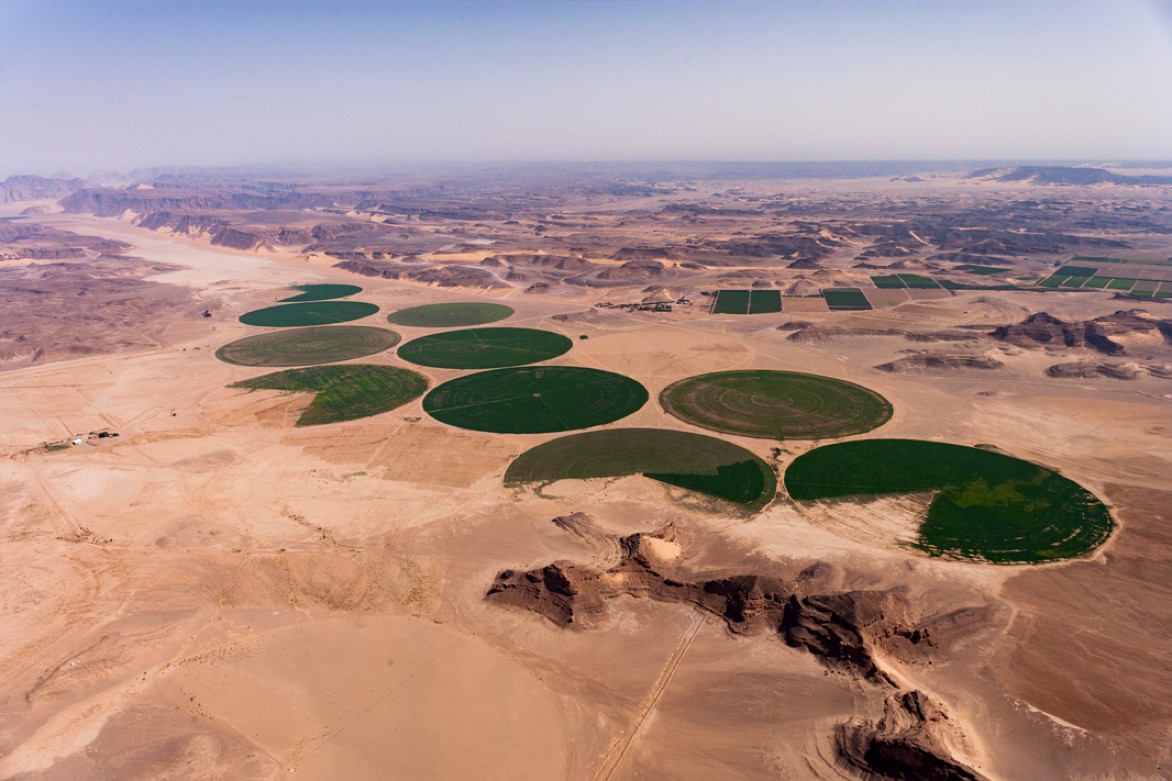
<point>1045,330</point>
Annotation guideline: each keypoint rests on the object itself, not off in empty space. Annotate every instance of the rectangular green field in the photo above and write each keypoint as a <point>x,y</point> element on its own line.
<point>1097,282</point>
<point>1077,271</point>
<point>1074,282</point>
<point>917,282</point>
<point>1053,281</point>
<point>889,282</point>
<point>1118,283</point>
<point>842,299</point>
<point>731,302</point>
<point>982,271</point>
<point>764,301</point>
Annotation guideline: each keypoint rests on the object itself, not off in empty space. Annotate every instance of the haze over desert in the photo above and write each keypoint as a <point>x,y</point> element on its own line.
<point>598,392</point>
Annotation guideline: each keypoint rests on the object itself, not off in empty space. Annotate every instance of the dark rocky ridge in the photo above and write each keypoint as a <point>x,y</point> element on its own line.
<point>927,361</point>
<point>1043,329</point>
<point>37,188</point>
<point>1054,174</point>
<point>841,629</point>
<point>33,241</point>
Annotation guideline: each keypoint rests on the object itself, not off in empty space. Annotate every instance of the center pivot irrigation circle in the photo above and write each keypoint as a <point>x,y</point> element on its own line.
<point>309,313</point>
<point>485,348</point>
<point>775,404</point>
<point>308,346</point>
<point>450,315</point>
<point>535,399</point>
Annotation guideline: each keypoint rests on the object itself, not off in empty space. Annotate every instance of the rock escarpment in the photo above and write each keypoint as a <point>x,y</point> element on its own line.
<point>909,740</point>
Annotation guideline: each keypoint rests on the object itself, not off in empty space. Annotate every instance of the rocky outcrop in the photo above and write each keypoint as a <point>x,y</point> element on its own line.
<point>1043,329</point>
<point>907,742</point>
<point>37,188</point>
<point>112,202</point>
<point>940,362</point>
<point>32,241</point>
<point>443,276</point>
<point>838,628</point>
<point>1066,175</point>
<point>1088,370</point>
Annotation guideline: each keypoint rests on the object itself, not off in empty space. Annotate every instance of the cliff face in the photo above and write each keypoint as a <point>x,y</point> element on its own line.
<point>907,740</point>
<point>1043,329</point>
<point>109,202</point>
<point>36,188</point>
<point>19,240</point>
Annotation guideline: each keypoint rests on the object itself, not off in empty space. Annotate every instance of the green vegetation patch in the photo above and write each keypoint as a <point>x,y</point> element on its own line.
<point>775,404</point>
<point>915,281</point>
<point>1053,281</point>
<point>764,301</point>
<point>732,302</point>
<point>321,292</point>
<point>308,346</point>
<point>889,282</point>
<point>840,299</point>
<point>535,399</point>
<point>949,284</point>
<point>1074,282</point>
<point>1124,261</point>
<point>699,463</point>
<point>1078,271</point>
<point>344,392</point>
<point>989,507</point>
<point>450,315</point>
<point>485,348</point>
<point>1119,283</point>
<point>982,271</point>
<point>310,313</point>
<point>1097,282</point>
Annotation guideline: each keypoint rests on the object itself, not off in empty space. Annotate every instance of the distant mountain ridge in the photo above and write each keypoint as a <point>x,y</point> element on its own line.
<point>37,188</point>
<point>1056,174</point>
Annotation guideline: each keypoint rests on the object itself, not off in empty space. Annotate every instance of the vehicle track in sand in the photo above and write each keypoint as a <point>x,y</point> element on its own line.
<point>614,757</point>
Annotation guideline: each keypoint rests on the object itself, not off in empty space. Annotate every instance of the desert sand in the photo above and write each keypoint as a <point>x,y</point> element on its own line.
<point>215,593</point>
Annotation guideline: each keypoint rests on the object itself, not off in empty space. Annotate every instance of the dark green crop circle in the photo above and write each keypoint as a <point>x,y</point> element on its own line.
<point>309,313</point>
<point>450,315</point>
<point>535,399</point>
<point>485,348</point>
<point>775,404</point>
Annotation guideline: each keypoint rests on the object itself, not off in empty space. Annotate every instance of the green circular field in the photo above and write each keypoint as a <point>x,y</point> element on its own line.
<point>988,506</point>
<point>321,292</point>
<point>308,346</point>
<point>311,313</point>
<point>450,315</point>
<point>535,399</point>
<point>485,348</point>
<point>775,404</point>
<point>700,463</point>
<point>344,392</point>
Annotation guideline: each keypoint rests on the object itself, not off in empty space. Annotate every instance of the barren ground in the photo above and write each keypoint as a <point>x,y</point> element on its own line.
<point>215,594</point>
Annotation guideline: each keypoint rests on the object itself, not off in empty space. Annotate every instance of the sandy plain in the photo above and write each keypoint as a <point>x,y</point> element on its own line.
<point>216,594</point>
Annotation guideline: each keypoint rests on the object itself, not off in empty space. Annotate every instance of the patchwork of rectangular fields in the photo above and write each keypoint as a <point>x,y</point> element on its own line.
<point>842,299</point>
<point>901,281</point>
<point>1114,274</point>
<point>731,302</point>
<point>746,302</point>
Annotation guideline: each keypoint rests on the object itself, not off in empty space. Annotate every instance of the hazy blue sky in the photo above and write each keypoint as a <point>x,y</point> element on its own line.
<point>113,84</point>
